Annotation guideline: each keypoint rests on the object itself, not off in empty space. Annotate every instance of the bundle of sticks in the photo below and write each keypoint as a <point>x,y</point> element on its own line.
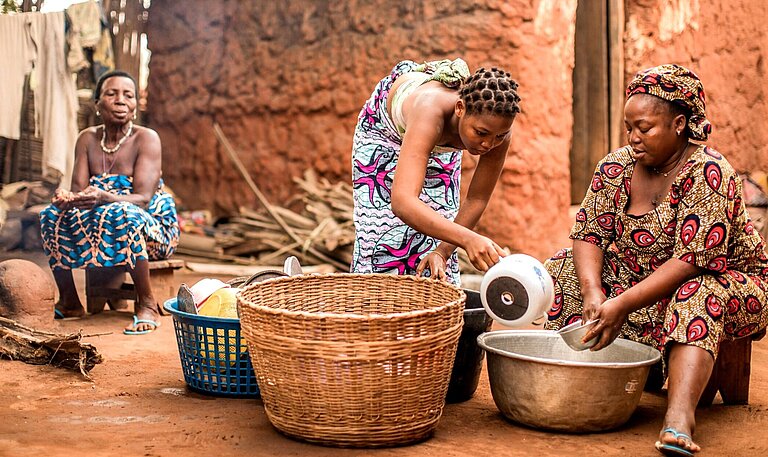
<point>322,232</point>
<point>324,224</point>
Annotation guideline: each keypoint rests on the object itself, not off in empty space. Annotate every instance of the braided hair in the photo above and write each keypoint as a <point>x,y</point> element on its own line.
<point>490,92</point>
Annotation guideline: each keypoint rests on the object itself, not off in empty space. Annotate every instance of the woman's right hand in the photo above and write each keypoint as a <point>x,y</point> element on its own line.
<point>63,199</point>
<point>60,203</point>
<point>592,300</point>
<point>483,252</point>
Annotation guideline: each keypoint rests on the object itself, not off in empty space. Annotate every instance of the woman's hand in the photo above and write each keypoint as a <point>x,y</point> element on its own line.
<point>611,316</point>
<point>483,252</point>
<point>91,197</point>
<point>591,300</point>
<point>62,199</point>
<point>436,264</point>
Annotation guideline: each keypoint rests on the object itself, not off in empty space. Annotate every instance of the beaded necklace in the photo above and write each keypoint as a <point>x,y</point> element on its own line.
<point>120,142</point>
<point>104,168</point>
<point>105,150</point>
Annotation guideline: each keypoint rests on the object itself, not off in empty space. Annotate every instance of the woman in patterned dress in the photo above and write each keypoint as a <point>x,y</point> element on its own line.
<point>117,213</point>
<point>664,253</point>
<point>406,164</point>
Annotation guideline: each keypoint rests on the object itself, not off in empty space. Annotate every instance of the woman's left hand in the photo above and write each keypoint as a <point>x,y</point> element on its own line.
<point>436,264</point>
<point>610,317</point>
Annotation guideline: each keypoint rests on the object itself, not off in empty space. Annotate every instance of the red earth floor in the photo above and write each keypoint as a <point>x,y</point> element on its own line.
<point>137,405</point>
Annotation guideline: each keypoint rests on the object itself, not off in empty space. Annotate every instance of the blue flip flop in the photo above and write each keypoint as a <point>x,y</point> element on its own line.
<point>137,321</point>
<point>674,450</point>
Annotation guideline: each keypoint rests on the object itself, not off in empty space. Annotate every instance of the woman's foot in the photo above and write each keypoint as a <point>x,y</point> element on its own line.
<point>68,311</point>
<point>675,440</point>
<point>689,370</point>
<point>146,319</point>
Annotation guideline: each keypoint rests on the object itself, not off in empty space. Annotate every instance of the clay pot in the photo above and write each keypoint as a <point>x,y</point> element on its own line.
<point>27,293</point>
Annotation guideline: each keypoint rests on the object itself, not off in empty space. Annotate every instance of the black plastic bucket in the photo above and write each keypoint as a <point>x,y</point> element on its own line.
<point>469,356</point>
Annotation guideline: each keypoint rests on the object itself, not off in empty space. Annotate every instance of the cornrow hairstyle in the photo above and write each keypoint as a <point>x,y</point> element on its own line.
<point>112,74</point>
<point>490,92</point>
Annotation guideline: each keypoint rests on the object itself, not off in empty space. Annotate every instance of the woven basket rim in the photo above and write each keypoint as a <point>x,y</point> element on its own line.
<point>353,316</point>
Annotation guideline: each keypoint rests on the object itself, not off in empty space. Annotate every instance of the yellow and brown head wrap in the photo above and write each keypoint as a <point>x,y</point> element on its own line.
<point>678,85</point>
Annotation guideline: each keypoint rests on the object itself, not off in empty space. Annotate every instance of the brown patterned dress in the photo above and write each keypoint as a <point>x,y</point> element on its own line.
<point>701,221</point>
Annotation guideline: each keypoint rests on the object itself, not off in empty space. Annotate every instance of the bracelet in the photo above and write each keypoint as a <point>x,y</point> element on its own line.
<point>441,256</point>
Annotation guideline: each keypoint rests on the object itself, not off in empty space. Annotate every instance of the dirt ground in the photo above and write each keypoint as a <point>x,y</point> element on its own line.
<point>137,405</point>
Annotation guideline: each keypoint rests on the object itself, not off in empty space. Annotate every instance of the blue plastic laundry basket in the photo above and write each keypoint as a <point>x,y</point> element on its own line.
<point>214,357</point>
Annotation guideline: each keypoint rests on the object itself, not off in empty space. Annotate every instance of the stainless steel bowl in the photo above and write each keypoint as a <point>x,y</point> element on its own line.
<point>573,333</point>
<point>537,380</point>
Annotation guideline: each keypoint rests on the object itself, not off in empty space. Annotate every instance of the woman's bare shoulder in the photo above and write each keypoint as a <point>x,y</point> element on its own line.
<point>93,131</point>
<point>142,130</point>
<point>433,96</point>
<point>145,133</point>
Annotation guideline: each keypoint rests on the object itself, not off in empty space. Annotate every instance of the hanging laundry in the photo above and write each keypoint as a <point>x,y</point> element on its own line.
<point>18,53</point>
<point>76,58</point>
<point>86,22</point>
<point>103,55</point>
<point>55,93</point>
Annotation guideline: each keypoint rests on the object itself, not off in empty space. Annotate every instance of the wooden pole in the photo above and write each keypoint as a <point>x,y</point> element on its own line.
<point>616,135</point>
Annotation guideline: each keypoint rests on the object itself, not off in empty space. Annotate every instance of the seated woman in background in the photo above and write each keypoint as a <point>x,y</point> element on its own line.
<point>117,213</point>
<point>664,253</point>
<point>406,167</point>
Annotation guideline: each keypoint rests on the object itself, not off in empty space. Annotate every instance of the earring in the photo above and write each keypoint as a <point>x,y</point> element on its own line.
<point>134,117</point>
<point>98,113</point>
<point>678,133</point>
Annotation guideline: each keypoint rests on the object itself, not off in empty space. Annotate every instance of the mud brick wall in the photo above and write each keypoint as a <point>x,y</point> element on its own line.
<point>286,81</point>
<point>726,43</point>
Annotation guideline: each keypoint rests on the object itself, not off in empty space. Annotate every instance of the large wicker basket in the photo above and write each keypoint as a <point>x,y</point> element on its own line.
<point>353,360</point>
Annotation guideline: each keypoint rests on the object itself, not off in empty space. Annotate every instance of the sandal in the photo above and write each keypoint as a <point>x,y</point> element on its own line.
<point>672,449</point>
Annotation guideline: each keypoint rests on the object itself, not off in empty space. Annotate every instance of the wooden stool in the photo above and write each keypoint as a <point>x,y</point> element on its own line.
<point>730,374</point>
<point>109,285</point>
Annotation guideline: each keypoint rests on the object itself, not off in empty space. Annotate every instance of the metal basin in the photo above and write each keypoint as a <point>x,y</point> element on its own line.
<point>537,380</point>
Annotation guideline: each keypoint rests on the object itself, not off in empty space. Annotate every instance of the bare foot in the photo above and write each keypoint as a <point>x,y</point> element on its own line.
<point>145,312</point>
<point>676,435</point>
<point>68,310</point>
